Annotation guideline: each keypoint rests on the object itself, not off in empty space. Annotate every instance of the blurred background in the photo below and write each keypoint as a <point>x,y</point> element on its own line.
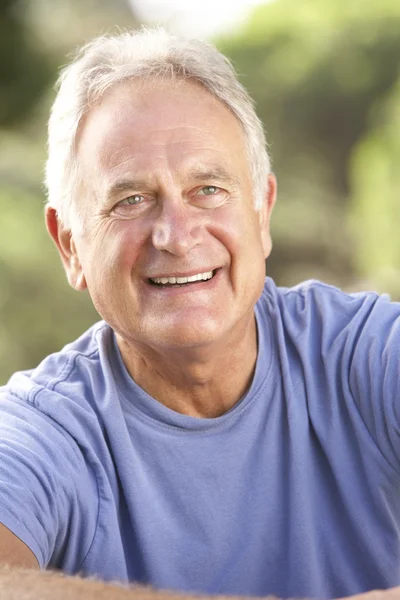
<point>325,75</point>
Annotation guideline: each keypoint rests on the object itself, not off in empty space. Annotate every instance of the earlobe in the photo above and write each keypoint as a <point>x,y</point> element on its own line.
<point>64,242</point>
<point>266,212</point>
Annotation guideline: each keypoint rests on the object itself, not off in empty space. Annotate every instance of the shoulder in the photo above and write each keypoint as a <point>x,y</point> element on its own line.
<point>56,408</point>
<point>326,309</point>
<point>312,292</point>
<point>51,446</point>
<point>77,361</point>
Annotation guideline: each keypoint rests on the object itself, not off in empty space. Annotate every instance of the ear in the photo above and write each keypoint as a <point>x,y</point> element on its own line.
<point>265,214</point>
<point>62,237</point>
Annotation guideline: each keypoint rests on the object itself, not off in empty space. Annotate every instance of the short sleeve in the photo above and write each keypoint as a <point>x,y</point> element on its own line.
<point>48,492</point>
<point>375,376</point>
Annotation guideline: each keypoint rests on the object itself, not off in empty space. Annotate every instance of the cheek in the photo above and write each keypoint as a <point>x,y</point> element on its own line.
<point>239,231</point>
<point>126,245</point>
<point>111,253</point>
<point>126,241</point>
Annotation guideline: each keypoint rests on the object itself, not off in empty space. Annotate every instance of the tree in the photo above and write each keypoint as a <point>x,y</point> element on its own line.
<point>316,69</point>
<point>375,210</point>
<point>24,69</point>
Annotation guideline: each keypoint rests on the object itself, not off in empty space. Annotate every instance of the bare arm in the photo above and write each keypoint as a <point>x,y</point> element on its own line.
<point>15,553</point>
<point>22,584</point>
<point>20,579</point>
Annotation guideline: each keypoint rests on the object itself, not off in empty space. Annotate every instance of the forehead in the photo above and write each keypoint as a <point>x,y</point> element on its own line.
<point>142,121</point>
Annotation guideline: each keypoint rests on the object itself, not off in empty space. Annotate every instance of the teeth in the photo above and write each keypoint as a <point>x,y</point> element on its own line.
<point>180,280</point>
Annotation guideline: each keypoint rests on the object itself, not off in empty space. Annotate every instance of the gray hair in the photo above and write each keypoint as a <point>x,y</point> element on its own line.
<point>149,53</point>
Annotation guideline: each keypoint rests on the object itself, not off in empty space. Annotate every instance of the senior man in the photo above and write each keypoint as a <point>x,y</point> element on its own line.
<point>213,433</point>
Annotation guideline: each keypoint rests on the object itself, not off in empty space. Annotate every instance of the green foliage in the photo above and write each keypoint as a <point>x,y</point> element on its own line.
<point>24,68</point>
<point>325,78</point>
<point>316,69</point>
<point>375,211</point>
<point>38,310</point>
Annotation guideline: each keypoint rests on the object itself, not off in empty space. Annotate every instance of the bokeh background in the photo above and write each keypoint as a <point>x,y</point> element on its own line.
<point>325,75</point>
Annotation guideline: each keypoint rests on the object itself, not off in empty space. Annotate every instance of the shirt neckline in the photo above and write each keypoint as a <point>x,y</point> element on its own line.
<point>139,403</point>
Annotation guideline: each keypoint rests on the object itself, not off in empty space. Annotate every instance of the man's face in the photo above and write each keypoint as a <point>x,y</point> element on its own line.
<point>167,196</point>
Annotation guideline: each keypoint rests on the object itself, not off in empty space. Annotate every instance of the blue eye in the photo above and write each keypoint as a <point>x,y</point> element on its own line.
<point>135,199</point>
<point>209,190</point>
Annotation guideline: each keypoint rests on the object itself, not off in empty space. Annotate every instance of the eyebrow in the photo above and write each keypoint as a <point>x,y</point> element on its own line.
<point>213,174</point>
<point>125,185</point>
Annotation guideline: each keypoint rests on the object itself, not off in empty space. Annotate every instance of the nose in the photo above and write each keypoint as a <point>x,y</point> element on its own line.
<point>177,230</point>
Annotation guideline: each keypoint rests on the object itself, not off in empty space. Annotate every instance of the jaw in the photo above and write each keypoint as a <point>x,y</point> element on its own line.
<point>201,380</point>
<point>199,317</point>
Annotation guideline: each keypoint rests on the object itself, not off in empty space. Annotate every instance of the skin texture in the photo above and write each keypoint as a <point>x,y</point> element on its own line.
<point>29,585</point>
<point>14,552</point>
<point>23,584</point>
<point>167,192</point>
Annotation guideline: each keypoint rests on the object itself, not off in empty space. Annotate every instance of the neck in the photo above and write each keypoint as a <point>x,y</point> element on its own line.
<point>205,382</point>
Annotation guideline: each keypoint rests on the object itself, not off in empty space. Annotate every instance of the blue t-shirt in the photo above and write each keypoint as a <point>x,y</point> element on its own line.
<point>294,492</point>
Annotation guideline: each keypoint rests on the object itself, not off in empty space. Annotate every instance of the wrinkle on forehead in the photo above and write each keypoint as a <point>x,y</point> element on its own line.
<point>133,99</point>
<point>142,93</point>
<point>146,130</point>
<point>116,156</point>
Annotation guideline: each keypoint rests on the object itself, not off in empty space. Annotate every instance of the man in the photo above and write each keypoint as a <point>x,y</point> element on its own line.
<point>213,433</point>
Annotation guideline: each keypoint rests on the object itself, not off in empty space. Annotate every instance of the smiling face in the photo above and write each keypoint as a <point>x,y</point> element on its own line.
<point>172,250</point>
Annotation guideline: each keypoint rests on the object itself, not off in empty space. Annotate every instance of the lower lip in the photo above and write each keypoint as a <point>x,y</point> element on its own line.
<point>187,288</point>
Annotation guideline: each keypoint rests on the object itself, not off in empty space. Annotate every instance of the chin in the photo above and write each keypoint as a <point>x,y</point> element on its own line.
<point>194,336</point>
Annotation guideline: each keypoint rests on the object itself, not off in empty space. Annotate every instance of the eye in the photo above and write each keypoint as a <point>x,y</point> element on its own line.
<point>209,196</point>
<point>208,190</point>
<point>132,200</point>
<point>132,206</point>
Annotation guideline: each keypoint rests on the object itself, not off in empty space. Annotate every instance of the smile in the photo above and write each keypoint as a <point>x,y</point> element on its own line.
<point>181,280</point>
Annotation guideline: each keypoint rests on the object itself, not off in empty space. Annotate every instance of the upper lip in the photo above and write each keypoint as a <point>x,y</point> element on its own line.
<point>182,274</point>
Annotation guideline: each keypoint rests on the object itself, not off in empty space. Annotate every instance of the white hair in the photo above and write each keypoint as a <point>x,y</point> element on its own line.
<point>108,61</point>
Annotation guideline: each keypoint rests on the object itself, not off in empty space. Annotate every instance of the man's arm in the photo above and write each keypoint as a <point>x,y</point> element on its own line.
<point>20,584</point>
<point>23,584</point>
<point>21,580</point>
<point>27,584</point>
<point>15,553</point>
